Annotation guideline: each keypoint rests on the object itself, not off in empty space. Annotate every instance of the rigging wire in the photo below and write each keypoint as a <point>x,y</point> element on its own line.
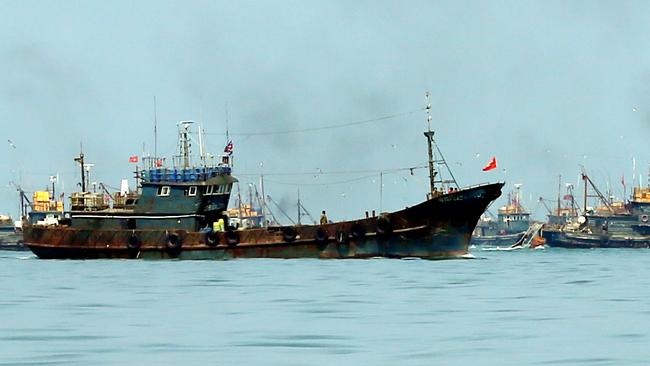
<point>322,184</point>
<point>342,172</point>
<point>311,129</point>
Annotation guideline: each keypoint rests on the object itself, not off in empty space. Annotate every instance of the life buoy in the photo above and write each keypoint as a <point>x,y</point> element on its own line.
<point>341,237</point>
<point>358,231</point>
<point>232,237</point>
<point>289,234</point>
<point>384,226</point>
<point>211,238</point>
<point>644,218</point>
<point>133,243</point>
<point>174,242</point>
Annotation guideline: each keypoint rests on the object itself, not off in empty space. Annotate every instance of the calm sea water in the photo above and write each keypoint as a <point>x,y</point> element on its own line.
<point>543,307</point>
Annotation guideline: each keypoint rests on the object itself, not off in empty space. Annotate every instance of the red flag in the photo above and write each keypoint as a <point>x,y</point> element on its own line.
<point>229,147</point>
<point>491,165</point>
<point>159,163</point>
<point>133,159</point>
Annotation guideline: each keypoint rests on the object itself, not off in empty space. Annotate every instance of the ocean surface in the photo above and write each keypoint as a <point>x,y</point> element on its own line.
<point>525,307</point>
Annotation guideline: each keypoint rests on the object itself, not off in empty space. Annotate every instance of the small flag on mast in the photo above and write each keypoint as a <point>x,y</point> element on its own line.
<point>229,148</point>
<point>133,159</point>
<point>491,165</point>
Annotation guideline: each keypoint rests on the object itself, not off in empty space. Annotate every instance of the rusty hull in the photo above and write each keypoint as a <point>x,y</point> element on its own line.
<point>438,228</point>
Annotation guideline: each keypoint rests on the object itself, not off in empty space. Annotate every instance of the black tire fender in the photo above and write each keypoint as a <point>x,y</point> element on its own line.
<point>232,237</point>
<point>174,241</point>
<point>321,235</point>
<point>358,231</point>
<point>211,238</point>
<point>289,234</point>
<point>133,242</point>
<point>384,226</point>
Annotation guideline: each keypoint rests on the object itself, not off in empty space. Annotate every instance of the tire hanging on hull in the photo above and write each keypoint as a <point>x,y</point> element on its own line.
<point>289,234</point>
<point>211,238</point>
<point>133,243</point>
<point>232,237</point>
<point>174,244</point>
<point>384,227</point>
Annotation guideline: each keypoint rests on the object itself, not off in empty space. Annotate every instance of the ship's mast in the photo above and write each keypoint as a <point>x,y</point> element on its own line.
<point>598,194</point>
<point>517,199</point>
<point>80,160</point>
<point>584,207</point>
<point>574,211</point>
<point>201,149</point>
<point>429,135</point>
<point>263,203</point>
<point>155,130</point>
<point>299,213</point>
<point>184,137</point>
<point>559,192</point>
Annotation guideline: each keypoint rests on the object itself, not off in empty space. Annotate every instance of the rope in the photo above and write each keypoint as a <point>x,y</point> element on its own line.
<point>312,129</point>
<point>342,172</point>
<point>321,184</point>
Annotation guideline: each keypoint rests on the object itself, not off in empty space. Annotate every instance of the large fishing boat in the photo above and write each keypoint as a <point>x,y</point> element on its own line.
<point>610,225</point>
<point>180,212</point>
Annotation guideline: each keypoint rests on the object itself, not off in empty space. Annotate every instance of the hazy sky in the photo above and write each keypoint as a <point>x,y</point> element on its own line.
<point>543,86</point>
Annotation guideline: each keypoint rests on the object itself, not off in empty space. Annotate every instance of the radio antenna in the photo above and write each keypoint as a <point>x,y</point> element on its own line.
<point>155,129</point>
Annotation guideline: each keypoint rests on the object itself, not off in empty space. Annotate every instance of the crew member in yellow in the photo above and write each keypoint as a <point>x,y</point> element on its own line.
<point>323,218</point>
<point>219,225</point>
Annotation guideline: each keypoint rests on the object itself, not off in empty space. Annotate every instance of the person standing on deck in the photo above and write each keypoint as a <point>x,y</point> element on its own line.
<point>323,218</point>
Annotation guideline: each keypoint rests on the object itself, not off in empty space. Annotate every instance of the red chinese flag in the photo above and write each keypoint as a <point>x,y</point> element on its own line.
<point>491,165</point>
<point>159,163</point>
<point>229,148</point>
<point>133,159</point>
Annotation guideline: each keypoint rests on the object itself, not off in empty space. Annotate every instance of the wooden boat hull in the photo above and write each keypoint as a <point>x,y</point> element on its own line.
<point>560,239</point>
<point>438,228</point>
<point>498,240</point>
<point>12,241</point>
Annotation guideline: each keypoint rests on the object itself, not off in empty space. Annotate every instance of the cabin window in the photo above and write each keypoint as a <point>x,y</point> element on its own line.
<point>228,188</point>
<point>207,190</point>
<point>163,191</point>
<point>192,191</point>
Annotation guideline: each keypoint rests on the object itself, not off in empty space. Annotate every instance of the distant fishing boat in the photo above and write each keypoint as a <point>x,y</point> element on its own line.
<point>512,226</point>
<point>611,225</point>
<point>43,209</point>
<point>10,236</point>
<point>181,212</point>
